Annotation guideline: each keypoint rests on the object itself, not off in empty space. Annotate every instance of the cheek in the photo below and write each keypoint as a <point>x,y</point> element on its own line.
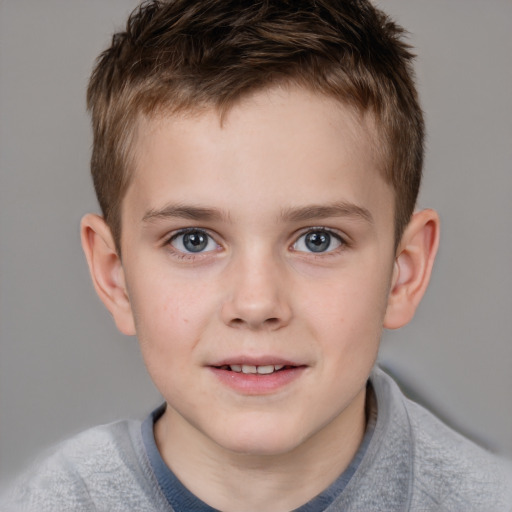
<point>170,315</point>
<point>170,320</point>
<point>350,308</point>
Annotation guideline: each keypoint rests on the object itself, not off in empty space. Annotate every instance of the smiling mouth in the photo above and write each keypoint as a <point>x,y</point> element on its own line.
<point>267,369</point>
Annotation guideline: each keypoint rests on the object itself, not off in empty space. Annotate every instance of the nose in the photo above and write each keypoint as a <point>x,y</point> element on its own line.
<point>256,294</point>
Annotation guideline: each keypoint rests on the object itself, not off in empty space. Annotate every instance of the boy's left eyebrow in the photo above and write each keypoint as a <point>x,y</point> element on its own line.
<point>341,209</point>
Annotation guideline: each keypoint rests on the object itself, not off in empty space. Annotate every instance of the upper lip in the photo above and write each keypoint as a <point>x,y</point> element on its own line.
<point>255,361</point>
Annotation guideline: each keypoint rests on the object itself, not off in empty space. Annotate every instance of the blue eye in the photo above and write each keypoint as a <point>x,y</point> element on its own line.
<point>193,241</point>
<point>318,241</point>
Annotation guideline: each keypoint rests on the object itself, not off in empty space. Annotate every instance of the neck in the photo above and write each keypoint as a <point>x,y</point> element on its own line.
<point>230,481</point>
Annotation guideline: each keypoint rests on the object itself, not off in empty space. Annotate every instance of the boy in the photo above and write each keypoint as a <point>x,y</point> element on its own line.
<point>257,168</point>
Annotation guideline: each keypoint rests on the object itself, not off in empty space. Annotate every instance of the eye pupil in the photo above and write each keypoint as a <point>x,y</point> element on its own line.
<point>195,241</point>
<point>318,241</point>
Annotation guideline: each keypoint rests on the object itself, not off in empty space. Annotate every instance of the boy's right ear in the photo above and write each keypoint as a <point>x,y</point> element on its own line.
<point>107,271</point>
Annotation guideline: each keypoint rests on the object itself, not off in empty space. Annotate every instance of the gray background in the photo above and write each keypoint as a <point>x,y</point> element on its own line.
<point>63,366</point>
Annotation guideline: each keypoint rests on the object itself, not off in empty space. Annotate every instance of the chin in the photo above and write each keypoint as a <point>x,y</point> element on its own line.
<point>261,448</point>
<point>260,441</point>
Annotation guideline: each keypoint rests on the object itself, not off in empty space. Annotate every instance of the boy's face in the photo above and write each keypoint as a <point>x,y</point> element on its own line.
<point>266,241</point>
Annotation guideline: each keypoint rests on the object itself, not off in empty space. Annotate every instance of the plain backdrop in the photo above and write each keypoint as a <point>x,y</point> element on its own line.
<point>63,366</point>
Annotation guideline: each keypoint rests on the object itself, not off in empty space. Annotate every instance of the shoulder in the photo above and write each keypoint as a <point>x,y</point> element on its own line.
<point>453,471</point>
<point>83,473</point>
<point>429,466</point>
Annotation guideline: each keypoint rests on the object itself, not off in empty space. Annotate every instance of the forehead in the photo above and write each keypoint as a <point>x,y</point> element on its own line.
<point>285,144</point>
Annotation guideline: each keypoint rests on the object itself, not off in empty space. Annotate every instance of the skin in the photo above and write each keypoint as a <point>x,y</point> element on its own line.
<point>284,163</point>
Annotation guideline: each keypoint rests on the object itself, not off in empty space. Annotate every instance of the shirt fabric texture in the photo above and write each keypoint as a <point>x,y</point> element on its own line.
<point>408,461</point>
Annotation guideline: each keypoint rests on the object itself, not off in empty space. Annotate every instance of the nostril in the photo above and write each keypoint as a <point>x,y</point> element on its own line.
<point>269,322</point>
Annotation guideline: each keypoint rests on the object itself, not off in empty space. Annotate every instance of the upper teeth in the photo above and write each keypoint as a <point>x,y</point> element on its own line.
<point>248,368</point>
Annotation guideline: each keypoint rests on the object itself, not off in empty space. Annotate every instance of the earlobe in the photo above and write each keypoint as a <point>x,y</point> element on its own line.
<point>107,271</point>
<point>413,267</point>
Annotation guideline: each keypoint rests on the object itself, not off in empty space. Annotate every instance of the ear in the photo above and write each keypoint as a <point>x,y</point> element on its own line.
<point>107,271</point>
<point>413,266</point>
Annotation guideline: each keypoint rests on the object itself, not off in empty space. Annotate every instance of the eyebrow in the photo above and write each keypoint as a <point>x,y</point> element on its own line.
<point>301,214</point>
<point>184,212</point>
<point>341,209</point>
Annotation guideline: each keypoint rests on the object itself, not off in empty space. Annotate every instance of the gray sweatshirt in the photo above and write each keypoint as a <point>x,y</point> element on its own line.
<point>412,462</point>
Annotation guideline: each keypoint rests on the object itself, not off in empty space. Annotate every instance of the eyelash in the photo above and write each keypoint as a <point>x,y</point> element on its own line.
<point>178,253</point>
<point>189,255</point>
<point>343,244</point>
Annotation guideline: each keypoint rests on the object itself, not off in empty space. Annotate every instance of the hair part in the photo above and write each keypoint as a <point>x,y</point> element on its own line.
<point>185,55</point>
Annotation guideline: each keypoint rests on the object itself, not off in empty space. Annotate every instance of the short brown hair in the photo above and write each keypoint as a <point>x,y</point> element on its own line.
<point>179,55</point>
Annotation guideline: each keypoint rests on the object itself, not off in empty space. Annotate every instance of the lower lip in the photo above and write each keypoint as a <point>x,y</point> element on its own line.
<point>257,384</point>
